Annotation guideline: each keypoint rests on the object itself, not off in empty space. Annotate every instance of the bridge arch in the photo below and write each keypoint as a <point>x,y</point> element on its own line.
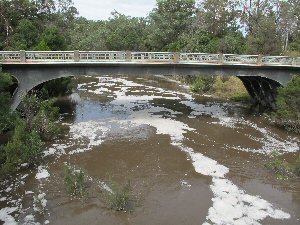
<point>262,90</point>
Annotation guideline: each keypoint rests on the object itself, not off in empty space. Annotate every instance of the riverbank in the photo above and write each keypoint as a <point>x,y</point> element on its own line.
<point>287,112</point>
<point>24,133</point>
<point>226,88</point>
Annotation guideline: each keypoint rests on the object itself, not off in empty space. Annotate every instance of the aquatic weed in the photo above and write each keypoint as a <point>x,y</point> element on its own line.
<point>120,198</point>
<point>39,202</point>
<point>74,181</point>
<point>280,167</point>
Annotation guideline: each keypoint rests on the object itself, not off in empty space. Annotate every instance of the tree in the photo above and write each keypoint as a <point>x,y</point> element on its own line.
<point>54,38</point>
<point>264,38</point>
<point>11,12</point>
<point>218,16</point>
<point>260,21</point>
<point>26,36</point>
<point>167,22</point>
<point>233,43</point>
<point>124,32</point>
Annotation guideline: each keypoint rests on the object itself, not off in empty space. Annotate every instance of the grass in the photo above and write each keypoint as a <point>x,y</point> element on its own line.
<point>282,169</point>
<point>75,181</point>
<point>296,167</point>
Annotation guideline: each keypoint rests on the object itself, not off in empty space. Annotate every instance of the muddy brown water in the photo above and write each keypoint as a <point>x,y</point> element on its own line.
<point>190,159</point>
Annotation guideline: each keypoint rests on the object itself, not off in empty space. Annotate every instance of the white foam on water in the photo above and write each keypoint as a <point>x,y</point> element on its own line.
<point>75,98</point>
<point>79,150</point>
<point>56,149</point>
<point>39,202</point>
<point>203,164</point>
<point>93,131</point>
<point>175,129</point>
<point>99,91</point>
<point>6,217</point>
<point>42,173</point>
<point>184,183</point>
<point>233,206</point>
<point>269,140</point>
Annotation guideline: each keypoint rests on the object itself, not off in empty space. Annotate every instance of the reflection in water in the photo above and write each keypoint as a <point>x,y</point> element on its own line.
<point>192,160</point>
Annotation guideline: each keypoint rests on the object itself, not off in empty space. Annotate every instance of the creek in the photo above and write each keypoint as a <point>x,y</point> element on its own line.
<point>191,159</point>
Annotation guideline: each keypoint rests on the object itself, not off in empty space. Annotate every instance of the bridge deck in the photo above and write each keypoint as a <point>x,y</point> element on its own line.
<point>135,58</point>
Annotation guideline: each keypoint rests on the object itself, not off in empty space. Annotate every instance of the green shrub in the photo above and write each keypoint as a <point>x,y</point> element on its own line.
<point>5,81</point>
<point>287,114</point>
<point>44,120</point>
<point>74,181</point>
<point>24,147</point>
<point>120,198</point>
<point>7,118</point>
<point>202,84</point>
<point>29,108</point>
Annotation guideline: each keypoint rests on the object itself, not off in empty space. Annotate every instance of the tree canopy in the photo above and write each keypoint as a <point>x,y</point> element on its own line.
<point>228,26</point>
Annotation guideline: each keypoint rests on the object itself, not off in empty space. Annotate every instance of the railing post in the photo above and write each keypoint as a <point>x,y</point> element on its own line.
<point>294,62</point>
<point>76,56</point>
<point>259,60</point>
<point>176,57</point>
<point>22,56</point>
<point>221,58</point>
<point>128,56</point>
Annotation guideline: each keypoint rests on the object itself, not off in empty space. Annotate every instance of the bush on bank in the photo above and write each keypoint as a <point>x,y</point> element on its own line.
<point>36,124</point>
<point>24,147</point>
<point>221,87</point>
<point>7,118</point>
<point>287,114</point>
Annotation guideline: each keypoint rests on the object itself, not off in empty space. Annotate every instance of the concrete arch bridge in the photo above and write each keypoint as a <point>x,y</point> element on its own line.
<point>261,75</point>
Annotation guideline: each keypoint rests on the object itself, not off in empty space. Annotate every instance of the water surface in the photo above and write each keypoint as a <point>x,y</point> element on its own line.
<point>191,160</point>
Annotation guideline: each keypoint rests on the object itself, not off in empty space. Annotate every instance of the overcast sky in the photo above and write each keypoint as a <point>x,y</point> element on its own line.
<point>101,9</point>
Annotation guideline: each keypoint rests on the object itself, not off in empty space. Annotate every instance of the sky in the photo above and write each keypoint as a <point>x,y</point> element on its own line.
<point>101,9</point>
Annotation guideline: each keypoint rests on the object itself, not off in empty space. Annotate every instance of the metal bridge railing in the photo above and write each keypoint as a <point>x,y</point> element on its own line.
<point>144,57</point>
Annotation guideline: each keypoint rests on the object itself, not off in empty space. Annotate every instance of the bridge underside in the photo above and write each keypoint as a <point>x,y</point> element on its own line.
<point>261,82</point>
<point>262,90</point>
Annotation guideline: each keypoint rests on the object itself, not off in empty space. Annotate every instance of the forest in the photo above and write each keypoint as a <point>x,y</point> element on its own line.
<point>269,27</point>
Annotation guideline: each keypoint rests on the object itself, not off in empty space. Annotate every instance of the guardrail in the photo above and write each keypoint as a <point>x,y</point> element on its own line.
<point>144,57</point>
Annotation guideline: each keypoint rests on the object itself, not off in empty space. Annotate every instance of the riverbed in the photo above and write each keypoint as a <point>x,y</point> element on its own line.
<point>191,159</point>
